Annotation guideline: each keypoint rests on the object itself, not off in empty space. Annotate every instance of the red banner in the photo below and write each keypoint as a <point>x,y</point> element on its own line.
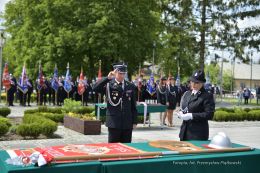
<point>80,150</point>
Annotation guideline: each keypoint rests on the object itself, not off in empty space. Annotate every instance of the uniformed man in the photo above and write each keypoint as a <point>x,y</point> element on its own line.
<point>197,107</point>
<point>121,104</point>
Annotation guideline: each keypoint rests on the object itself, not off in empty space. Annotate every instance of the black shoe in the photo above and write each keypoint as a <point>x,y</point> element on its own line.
<point>29,105</point>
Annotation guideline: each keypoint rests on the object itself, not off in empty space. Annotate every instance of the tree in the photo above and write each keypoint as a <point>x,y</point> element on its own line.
<point>79,32</point>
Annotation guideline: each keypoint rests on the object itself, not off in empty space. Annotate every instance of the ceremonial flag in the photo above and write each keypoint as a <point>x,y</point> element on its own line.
<point>40,82</point>
<point>55,80</point>
<point>22,84</point>
<point>151,85</point>
<point>67,82</point>
<point>99,71</point>
<point>6,78</point>
<point>178,81</point>
<point>81,85</point>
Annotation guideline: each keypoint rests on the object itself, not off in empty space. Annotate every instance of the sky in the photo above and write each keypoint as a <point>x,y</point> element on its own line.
<point>241,23</point>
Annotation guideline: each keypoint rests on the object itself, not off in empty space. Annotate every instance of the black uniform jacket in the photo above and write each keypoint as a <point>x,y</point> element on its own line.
<point>202,107</point>
<point>123,115</point>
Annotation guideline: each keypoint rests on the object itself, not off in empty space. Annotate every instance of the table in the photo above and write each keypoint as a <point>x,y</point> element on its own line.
<point>238,162</point>
<point>100,110</point>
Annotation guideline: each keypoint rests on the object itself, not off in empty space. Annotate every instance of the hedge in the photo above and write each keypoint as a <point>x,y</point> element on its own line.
<point>44,109</point>
<point>5,111</point>
<point>34,125</point>
<point>32,130</point>
<point>237,115</point>
<point>3,128</point>
<point>5,121</point>
<point>52,116</point>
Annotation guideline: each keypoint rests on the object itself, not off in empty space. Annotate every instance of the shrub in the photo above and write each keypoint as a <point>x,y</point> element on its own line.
<point>3,128</point>
<point>225,109</point>
<point>31,111</point>
<point>13,129</point>
<point>5,121</point>
<point>44,109</point>
<point>45,126</point>
<point>54,117</point>
<point>220,115</point>
<point>71,105</point>
<point>254,115</point>
<point>5,111</point>
<point>48,128</point>
<point>32,130</point>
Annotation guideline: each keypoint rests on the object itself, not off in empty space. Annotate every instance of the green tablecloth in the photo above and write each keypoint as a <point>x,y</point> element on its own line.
<point>237,162</point>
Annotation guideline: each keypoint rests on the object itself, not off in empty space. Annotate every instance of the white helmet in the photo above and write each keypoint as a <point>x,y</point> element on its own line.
<point>220,140</point>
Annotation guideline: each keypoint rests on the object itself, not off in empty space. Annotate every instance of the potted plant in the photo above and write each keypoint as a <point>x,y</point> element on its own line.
<point>85,124</point>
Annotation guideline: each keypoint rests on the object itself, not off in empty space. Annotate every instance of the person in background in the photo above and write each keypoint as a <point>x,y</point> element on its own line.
<point>161,92</point>
<point>172,97</point>
<point>239,96</point>
<point>29,92</point>
<point>246,95</point>
<point>196,108</point>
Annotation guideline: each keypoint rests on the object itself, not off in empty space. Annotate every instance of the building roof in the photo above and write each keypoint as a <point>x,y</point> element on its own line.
<point>243,71</point>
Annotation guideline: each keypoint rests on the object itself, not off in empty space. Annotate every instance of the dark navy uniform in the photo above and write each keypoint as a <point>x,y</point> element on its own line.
<point>172,95</point>
<point>11,91</point>
<point>30,91</point>
<point>201,105</point>
<point>121,108</point>
<point>161,94</point>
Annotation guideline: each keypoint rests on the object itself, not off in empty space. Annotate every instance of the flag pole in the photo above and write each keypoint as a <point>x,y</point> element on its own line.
<point>138,83</point>
<point>6,96</point>
<point>99,94</point>
<point>39,90</point>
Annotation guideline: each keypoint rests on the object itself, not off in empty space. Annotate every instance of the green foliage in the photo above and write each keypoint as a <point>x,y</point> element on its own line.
<point>33,125</point>
<point>3,128</point>
<point>31,130</point>
<point>13,129</point>
<point>5,111</point>
<point>80,32</point>
<point>71,105</point>
<point>48,128</point>
<point>44,109</point>
<point>238,114</point>
<point>5,121</point>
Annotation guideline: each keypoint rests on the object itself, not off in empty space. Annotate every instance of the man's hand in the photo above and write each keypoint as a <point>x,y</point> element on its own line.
<point>111,74</point>
<point>134,126</point>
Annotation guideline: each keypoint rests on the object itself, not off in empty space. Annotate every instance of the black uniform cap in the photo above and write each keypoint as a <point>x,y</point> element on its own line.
<point>121,67</point>
<point>198,76</point>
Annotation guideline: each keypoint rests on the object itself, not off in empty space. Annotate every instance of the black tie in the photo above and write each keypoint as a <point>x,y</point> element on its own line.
<point>120,84</point>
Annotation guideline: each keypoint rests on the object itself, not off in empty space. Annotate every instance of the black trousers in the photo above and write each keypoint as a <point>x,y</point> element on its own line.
<point>119,135</point>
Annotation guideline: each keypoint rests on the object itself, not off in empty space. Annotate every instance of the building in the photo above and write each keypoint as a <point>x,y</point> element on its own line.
<point>242,74</point>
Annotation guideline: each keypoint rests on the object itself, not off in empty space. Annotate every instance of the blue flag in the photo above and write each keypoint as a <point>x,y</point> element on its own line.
<point>151,88</point>
<point>67,82</point>
<point>22,83</point>
<point>55,80</point>
<point>178,81</point>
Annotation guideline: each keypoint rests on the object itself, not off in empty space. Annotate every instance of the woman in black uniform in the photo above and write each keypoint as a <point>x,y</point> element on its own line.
<point>162,97</point>
<point>172,94</point>
<point>197,107</point>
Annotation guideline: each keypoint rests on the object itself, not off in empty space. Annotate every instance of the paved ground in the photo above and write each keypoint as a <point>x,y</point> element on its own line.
<point>247,133</point>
